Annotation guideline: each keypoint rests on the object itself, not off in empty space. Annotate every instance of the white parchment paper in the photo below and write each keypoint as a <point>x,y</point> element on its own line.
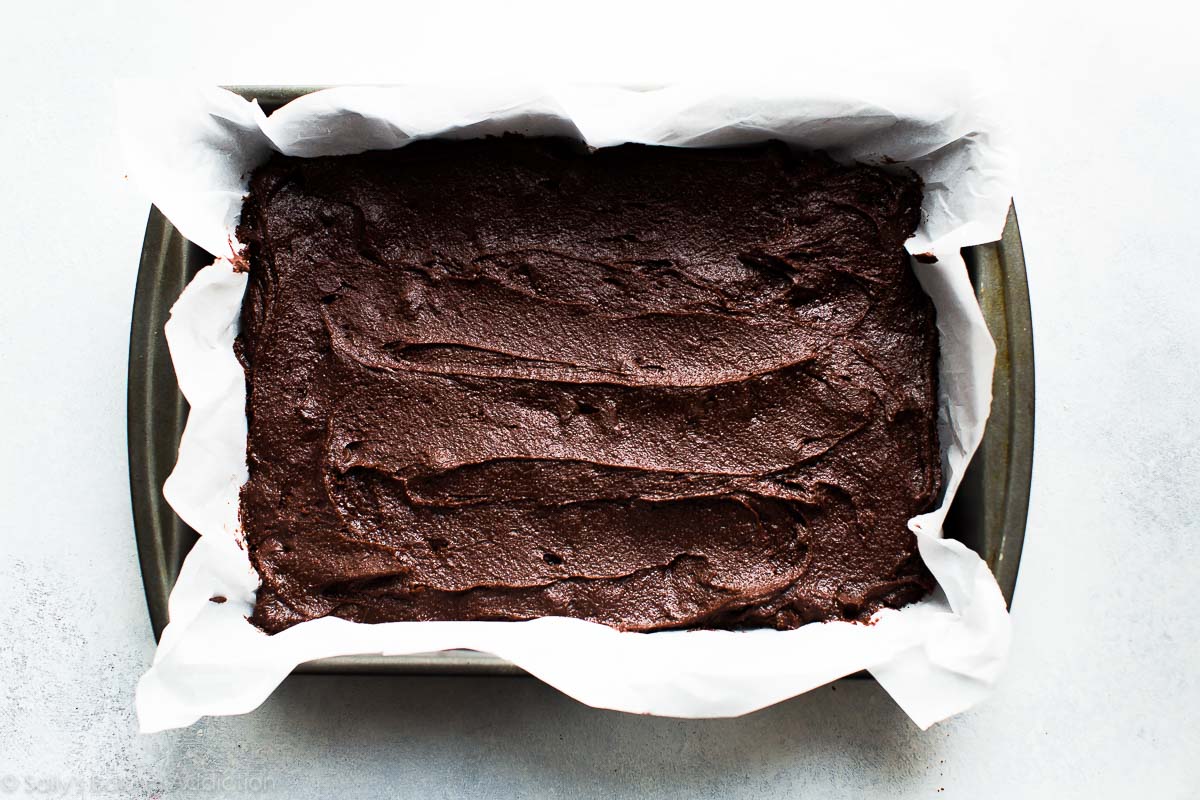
<point>191,151</point>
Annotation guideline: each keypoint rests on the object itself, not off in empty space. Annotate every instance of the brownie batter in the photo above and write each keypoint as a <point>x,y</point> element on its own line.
<point>651,387</point>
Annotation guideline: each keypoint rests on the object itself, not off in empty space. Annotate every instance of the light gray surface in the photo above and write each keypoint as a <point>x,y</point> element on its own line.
<point>1102,693</point>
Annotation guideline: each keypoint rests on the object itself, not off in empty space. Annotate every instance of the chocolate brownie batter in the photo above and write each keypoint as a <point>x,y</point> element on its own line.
<point>651,387</point>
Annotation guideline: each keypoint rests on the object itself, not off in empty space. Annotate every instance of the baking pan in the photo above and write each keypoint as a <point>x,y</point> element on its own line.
<point>988,514</point>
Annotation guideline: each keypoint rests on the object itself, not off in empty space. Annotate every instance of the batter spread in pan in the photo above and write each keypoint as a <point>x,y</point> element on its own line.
<point>651,387</point>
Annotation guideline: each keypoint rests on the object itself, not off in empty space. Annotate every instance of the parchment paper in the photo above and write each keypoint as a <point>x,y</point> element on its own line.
<point>191,151</point>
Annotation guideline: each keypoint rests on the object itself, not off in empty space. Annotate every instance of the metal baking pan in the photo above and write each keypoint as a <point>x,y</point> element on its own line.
<point>988,514</point>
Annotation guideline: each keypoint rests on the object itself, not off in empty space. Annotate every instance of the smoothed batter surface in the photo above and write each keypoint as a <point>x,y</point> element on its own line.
<point>651,387</point>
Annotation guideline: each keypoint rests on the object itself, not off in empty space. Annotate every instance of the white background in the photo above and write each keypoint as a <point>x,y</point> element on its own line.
<point>1103,693</point>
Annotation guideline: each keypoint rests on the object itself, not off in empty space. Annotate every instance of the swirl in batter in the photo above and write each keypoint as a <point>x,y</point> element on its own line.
<point>650,387</point>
